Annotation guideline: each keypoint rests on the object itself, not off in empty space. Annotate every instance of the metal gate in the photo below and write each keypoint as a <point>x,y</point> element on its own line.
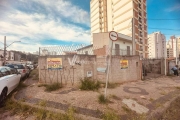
<point>152,68</point>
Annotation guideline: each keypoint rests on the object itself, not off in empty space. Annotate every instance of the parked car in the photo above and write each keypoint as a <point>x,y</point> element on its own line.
<point>31,66</point>
<point>23,70</point>
<point>9,80</point>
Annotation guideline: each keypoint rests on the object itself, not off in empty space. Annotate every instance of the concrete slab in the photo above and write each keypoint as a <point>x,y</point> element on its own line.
<point>133,105</point>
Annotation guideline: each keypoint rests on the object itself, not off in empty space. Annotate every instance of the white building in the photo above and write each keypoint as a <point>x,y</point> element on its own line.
<point>117,15</point>
<point>157,45</point>
<point>173,47</point>
<point>122,46</point>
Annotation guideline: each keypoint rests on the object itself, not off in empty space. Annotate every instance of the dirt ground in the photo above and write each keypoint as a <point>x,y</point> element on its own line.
<point>155,93</point>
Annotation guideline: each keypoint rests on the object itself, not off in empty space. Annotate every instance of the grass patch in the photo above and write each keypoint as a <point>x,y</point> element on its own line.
<point>89,84</point>
<point>40,114</point>
<point>53,87</point>
<point>172,113</point>
<point>102,99</point>
<point>42,103</point>
<point>110,115</point>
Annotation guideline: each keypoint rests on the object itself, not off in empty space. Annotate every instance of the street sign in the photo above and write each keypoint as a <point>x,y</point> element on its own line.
<point>113,35</point>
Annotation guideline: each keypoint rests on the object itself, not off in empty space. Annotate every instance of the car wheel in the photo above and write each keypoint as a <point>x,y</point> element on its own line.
<point>3,95</point>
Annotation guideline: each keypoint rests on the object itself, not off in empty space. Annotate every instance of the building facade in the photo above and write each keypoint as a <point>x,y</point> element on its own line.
<point>173,47</point>
<point>117,15</point>
<point>157,45</point>
<point>102,45</point>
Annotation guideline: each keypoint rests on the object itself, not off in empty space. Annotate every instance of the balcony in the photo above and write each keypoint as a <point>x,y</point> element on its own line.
<point>141,42</point>
<point>140,14</point>
<point>140,49</point>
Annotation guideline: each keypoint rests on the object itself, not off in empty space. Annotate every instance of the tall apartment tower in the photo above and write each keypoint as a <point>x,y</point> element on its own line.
<point>173,47</point>
<point>157,45</point>
<point>117,15</point>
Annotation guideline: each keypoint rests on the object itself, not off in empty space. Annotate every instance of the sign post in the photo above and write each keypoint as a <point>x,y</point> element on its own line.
<point>113,37</point>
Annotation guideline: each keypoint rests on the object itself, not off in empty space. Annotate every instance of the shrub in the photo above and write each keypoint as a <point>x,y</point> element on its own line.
<point>53,87</point>
<point>88,84</point>
<point>102,99</point>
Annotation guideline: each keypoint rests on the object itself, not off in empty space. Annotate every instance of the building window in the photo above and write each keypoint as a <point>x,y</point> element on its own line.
<point>86,52</point>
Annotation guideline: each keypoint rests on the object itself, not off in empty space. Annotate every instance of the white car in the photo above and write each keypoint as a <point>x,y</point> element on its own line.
<point>9,80</point>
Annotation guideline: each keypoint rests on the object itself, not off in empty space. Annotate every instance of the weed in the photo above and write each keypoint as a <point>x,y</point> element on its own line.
<point>42,85</point>
<point>163,93</point>
<point>127,110</point>
<point>172,112</point>
<point>21,86</point>
<point>88,84</point>
<point>115,97</point>
<point>151,99</point>
<point>112,85</point>
<point>40,114</point>
<point>42,103</point>
<point>110,115</point>
<point>159,105</point>
<point>34,74</point>
<point>102,99</point>
<point>53,87</point>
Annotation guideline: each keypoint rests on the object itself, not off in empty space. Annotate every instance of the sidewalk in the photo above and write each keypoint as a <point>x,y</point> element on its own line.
<point>149,97</point>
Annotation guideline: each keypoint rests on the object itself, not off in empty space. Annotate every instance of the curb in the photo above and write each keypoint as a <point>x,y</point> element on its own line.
<point>84,117</point>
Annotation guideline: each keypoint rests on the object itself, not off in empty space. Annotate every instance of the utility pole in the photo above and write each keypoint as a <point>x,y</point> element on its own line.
<point>4,50</point>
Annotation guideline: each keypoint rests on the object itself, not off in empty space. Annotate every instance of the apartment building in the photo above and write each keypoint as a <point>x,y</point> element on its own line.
<point>122,16</point>
<point>169,51</point>
<point>173,47</point>
<point>157,45</point>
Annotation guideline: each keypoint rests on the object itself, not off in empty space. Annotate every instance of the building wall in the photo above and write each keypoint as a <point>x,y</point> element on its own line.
<point>103,43</point>
<point>157,45</point>
<point>116,15</point>
<point>117,74</point>
<point>67,74</point>
<point>173,47</point>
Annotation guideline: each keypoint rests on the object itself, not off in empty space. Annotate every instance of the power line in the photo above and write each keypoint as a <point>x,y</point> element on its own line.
<point>165,29</point>
<point>164,19</point>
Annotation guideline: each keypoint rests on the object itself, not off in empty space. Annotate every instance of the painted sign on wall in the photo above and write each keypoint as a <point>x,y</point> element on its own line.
<point>54,63</point>
<point>124,64</point>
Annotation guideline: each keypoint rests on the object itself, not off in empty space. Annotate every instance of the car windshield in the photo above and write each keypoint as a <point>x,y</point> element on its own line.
<point>19,66</point>
<point>11,66</point>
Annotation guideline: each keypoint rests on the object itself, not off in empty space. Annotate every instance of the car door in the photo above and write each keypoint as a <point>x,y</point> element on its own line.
<point>6,78</point>
<point>15,77</point>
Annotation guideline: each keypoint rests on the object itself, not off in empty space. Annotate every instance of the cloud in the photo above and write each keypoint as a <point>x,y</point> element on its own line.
<point>174,8</point>
<point>36,21</point>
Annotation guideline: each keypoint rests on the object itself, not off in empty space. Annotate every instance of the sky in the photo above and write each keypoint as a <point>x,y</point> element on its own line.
<point>39,23</point>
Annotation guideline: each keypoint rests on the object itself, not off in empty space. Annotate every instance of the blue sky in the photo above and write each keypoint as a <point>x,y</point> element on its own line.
<point>164,9</point>
<point>61,22</point>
